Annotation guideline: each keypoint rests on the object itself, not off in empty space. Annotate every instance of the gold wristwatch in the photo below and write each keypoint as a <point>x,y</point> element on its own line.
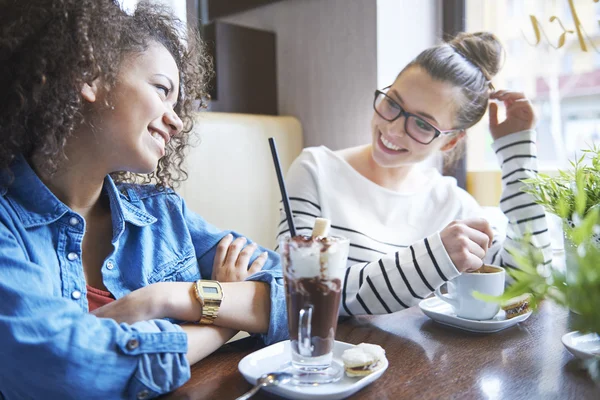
<point>210,295</point>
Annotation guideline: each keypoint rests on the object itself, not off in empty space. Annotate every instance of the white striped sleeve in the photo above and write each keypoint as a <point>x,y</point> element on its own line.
<point>517,154</point>
<point>397,281</point>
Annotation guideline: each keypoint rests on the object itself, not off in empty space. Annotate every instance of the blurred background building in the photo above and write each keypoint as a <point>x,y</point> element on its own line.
<point>563,82</point>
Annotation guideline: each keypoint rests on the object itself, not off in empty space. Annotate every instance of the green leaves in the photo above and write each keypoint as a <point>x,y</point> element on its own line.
<point>577,288</point>
<point>585,229</point>
<point>573,191</point>
<point>574,195</point>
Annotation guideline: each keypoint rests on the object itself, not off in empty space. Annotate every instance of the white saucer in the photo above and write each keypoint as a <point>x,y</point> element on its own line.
<point>274,357</point>
<point>583,346</point>
<point>443,313</point>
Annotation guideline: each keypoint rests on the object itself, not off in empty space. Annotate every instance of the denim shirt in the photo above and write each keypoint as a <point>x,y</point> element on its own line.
<point>50,346</point>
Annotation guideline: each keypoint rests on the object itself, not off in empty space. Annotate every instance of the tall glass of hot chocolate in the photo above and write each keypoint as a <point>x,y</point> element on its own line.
<point>314,269</point>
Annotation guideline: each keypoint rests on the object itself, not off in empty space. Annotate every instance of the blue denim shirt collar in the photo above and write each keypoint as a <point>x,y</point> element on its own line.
<point>126,210</point>
<point>45,208</point>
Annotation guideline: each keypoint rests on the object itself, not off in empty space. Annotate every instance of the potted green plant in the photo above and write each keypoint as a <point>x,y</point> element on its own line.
<point>577,289</point>
<point>559,194</point>
<point>571,195</point>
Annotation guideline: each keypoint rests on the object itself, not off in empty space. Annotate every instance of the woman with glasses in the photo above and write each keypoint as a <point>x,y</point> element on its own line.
<point>411,229</point>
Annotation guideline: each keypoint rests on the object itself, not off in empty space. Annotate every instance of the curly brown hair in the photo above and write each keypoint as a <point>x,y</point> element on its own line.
<point>50,48</point>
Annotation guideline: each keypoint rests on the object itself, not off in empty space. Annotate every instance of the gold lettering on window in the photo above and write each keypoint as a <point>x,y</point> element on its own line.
<point>582,36</point>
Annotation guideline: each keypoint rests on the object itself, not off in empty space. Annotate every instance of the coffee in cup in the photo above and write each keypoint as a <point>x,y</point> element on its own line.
<point>489,280</point>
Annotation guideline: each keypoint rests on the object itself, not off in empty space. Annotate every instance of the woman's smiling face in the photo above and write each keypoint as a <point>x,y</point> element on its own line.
<point>135,130</point>
<point>433,101</point>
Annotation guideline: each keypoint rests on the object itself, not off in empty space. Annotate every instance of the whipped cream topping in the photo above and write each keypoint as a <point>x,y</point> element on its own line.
<point>324,258</point>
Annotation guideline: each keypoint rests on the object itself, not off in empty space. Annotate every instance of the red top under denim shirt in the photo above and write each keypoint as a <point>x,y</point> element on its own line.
<point>97,298</point>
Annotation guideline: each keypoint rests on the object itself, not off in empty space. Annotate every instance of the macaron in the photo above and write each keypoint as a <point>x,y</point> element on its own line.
<point>516,306</point>
<point>363,359</point>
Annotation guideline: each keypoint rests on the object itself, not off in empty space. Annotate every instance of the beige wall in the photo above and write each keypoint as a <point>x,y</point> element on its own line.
<point>326,65</point>
<point>404,29</point>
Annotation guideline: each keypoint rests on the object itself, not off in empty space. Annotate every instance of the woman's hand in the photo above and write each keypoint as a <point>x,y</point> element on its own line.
<point>466,242</point>
<point>140,305</point>
<point>232,260</point>
<point>519,113</point>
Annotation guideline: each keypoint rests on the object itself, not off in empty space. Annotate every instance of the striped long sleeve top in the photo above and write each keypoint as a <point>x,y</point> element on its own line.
<point>396,255</point>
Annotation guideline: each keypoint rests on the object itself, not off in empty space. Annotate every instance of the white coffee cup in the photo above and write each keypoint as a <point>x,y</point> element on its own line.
<point>489,279</point>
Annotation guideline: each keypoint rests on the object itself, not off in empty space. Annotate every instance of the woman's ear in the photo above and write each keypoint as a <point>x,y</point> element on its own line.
<point>89,91</point>
<point>454,141</point>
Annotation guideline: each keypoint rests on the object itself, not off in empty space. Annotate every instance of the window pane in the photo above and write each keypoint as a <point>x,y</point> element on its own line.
<point>560,77</point>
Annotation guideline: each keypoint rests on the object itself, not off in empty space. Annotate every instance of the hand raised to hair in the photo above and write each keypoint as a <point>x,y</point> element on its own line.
<point>466,242</point>
<point>232,260</point>
<point>519,113</point>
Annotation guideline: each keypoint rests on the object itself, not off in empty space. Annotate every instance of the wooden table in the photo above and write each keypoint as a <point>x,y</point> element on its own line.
<point>432,361</point>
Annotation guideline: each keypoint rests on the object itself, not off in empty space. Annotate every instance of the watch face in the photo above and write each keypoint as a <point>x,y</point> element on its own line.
<point>210,290</point>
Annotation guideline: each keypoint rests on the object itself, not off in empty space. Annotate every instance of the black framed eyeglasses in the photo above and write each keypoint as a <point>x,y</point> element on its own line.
<point>414,126</point>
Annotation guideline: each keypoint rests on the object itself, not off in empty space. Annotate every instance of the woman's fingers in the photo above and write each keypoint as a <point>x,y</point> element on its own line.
<point>521,103</point>
<point>493,113</point>
<point>232,260</point>
<point>475,264</point>
<point>258,263</point>
<point>521,110</point>
<point>515,99</point>
<point>481,225</point>
<point>221,253</point>
<point>508,97</point>
<point>505,95</point>
<point>233,251</point>
<point>518,103</point>
<point>511,106</point>
<point>478,244</point>
<point>244,258</point>
<point>467,242</point>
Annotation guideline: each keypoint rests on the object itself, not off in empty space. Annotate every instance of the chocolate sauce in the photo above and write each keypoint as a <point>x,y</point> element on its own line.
<point>314,282</point>
<point>324,295</point>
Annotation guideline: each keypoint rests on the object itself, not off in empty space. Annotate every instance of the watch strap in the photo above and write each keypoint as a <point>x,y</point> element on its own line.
<point>200,298</point>
<point>209,314</point>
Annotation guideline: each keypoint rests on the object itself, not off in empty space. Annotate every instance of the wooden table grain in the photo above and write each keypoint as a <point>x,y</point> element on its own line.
<point>432,361</point>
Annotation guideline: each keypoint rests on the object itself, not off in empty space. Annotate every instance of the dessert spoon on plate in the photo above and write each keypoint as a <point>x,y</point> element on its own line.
<point>270,379</point>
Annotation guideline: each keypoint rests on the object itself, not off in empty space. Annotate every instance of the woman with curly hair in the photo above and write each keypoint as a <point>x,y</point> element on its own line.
<point>98,256</point>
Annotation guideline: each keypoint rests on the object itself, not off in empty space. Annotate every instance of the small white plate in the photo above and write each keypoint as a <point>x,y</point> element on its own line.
<point>443,313</point>
<point>274,357</point>
<point>581,345</point>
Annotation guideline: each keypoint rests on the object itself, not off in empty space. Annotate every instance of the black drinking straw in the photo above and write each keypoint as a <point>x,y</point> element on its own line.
<point>284,196</point>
